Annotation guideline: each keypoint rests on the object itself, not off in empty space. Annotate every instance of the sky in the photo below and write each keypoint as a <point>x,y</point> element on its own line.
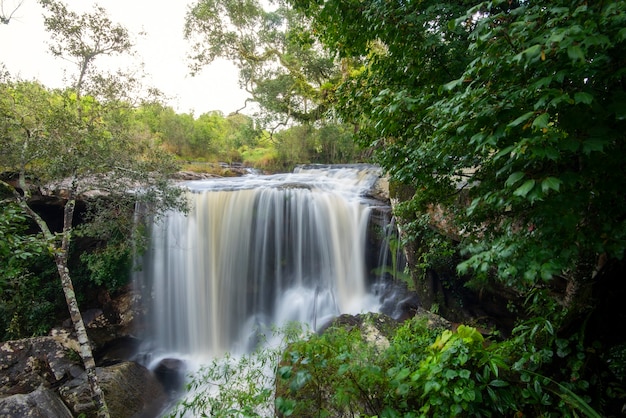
<point>24,52</point>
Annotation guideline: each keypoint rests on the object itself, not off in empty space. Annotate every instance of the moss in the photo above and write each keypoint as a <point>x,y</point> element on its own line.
<point>400,191</point>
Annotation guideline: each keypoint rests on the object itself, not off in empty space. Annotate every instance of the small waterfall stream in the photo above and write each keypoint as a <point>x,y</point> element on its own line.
<point>258,251</point>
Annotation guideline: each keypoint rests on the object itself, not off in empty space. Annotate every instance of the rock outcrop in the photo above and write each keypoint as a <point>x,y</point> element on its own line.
<point>40,403</point>
<point>43,377</point>
<point>130,390</point>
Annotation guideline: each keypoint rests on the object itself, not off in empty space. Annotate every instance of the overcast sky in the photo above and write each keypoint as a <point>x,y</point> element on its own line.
<point>24,51</point>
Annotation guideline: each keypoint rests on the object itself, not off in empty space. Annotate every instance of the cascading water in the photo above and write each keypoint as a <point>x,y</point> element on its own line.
<point>257,251</point>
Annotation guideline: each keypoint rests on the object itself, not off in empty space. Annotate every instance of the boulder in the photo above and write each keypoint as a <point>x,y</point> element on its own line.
<point>375,329</point>
<point>130,390</point>
<point>27,364</point>
<point>41,403</point>
<point>380,189</point>
<point>118,318</point>
<point>171,373</point>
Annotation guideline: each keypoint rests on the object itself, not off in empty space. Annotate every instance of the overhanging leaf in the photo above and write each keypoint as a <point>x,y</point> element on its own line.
<point>550,183</point>
<point>453,84</point>
<point>521,119</point>
<point>575,53</point>
<point>525,188</point>
<point>541,121</point>
<point>582,97</point>
<point>594,144</point>
<point>514,178</point>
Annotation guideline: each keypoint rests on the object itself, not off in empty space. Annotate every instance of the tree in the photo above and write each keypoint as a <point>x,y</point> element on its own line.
<point>280,64</point>
<point>69,142</point>
<point>82,39</point>
<point>517,105</point>
<point>241,131</point>
<point>6,14</point>
<point>177,129</point>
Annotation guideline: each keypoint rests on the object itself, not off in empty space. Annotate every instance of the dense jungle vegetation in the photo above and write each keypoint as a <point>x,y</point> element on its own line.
<point>502,126</point>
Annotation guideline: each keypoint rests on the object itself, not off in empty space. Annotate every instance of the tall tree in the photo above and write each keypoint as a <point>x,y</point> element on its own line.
<point>67,141</point>
<point>281,65</point>
<point>521,104</point>
<point>7,12</point>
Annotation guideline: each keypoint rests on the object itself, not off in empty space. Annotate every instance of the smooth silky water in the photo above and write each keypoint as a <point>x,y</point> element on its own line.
<point>256,252</point>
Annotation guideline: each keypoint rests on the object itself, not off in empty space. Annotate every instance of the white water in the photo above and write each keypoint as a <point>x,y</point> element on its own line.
<point>258,251</point>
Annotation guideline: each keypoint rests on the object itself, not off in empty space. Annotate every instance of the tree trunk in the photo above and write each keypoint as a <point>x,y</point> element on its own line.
<point>61,258</point>
<point>578,297</point>
<point>81,333</point>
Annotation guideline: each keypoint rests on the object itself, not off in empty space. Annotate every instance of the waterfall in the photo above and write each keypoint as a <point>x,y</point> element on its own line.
<point>257,251</point>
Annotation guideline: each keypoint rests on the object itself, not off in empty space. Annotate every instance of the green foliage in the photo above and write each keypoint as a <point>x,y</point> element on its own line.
<point>208,137</point>
<point>280,62</point>
<point>110,266</point>
<point>28,292</point>
<point>508,116</point>
<point>261,158</point>
<point>241,386</point>
<point>307,144</point>
<point>408,371</point>
<point>431,373</point>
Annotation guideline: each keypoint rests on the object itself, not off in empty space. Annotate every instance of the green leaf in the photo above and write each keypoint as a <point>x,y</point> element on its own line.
<point>514,178</point>
<point>594,144</point>
<point>550,183</point>
<point>453,84</point>
<point>575,53</point>
<point>582,97</point>
<point>431,385</point>
<point>498,383</point>
<point>521,119</point>
<point>402,374</point>
<point>403,389</point>
<point>285,372</point>
<point>503,152</point>
<point>525,188</point>
<point>450,374</point>
<point>529,53</point>
<point>541,121</point>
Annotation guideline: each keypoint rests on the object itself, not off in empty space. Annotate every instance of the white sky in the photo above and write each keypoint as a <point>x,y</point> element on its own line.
<point>24,52</point>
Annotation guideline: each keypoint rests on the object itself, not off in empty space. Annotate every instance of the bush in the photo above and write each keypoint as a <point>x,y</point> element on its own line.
<point>109,266</point>
<point>29,289</point>
<point>237,386</point>
<point>428,373</point>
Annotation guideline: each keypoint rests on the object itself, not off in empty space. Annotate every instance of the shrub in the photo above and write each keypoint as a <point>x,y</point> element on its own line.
<point>420,373</point>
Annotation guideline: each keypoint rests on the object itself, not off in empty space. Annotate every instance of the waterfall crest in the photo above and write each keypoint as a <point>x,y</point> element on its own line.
<point>259,251</point>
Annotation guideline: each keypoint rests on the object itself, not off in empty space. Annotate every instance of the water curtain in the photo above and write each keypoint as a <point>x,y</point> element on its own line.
<point>259,251</point>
